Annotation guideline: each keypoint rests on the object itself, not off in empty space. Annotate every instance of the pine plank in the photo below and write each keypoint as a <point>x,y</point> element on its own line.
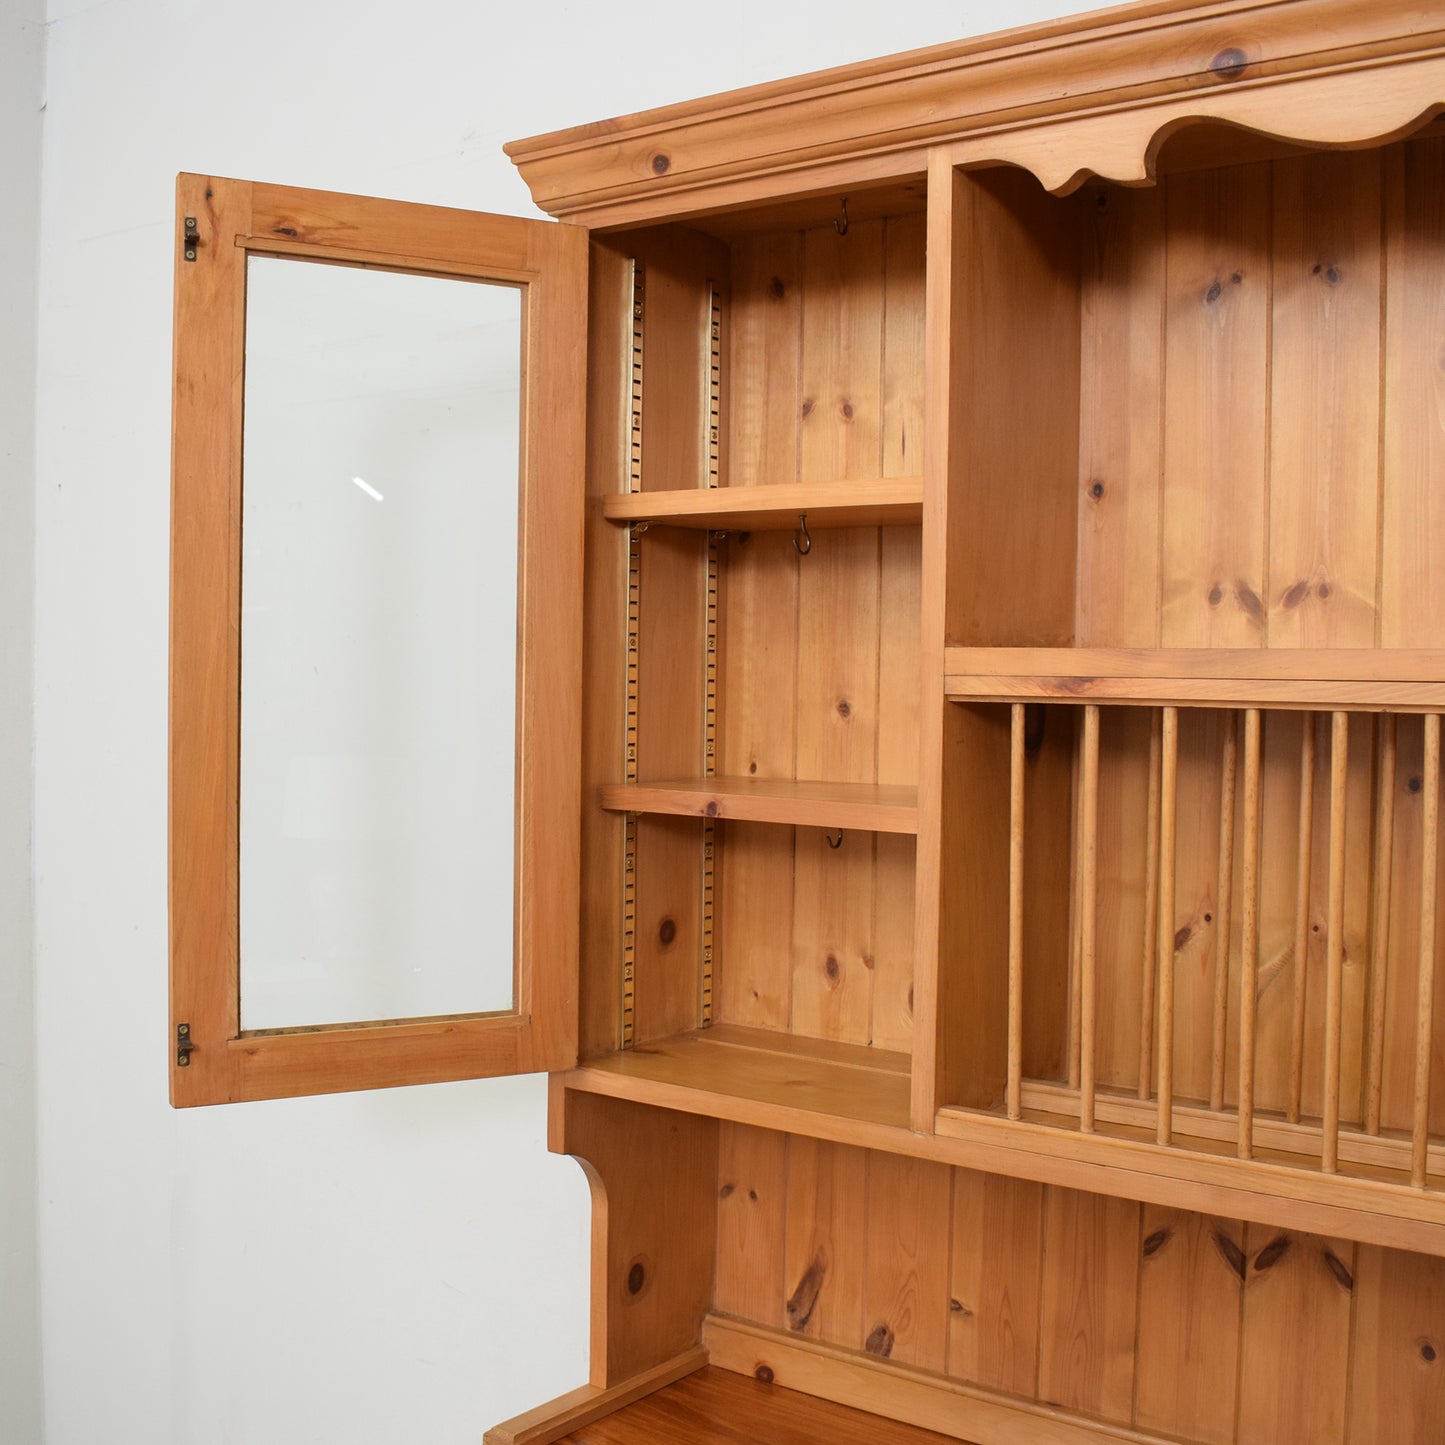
<point>1190,1281</point>
<point>1215,423</point>
<point>823,1269</point>
<point>1295,1337</point>
<point>751,1207</point>
<point>1089,1309</point>
<point>1324,400</point>
<point>906,1244</point>
<point>1397,1376</point>
<point>993,1321</point>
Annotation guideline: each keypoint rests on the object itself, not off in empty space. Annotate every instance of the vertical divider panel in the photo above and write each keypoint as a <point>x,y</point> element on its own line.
<point>1300,961</point>
<point>1089,915</point>
<point>1425,1004</point>
<point>1224,901</point>
<point>1001,469</point>
<point>1016,908</point>
<point>1335,941</point>
<point>1380,880</point>
<point>1168,827</point>
<point>1152,823</point>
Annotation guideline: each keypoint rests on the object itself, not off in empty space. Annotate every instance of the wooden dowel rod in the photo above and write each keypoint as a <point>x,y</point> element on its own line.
<point>1249,949</point>
<point>1168,824</point>
<point>1425,1004</point>
<point>1075,910</point>
<point>1151,914</point>
<point>1222,903</point>
<point>1016,910</point>
<point>1088,908</point>
<point>1380,918</point>
<point>1335,941</point>
<point>1302,917</point>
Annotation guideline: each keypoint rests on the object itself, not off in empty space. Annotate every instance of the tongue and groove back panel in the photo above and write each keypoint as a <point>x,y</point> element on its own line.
<point>1184,1324</point>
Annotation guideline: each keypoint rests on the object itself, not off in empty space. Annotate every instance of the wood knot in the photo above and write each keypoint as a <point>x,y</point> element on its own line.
<point>846,411</point>
<point>1427,1352</point>
<point>1272,1253</point>
<point>805,1296</point>
<point>1230,1252</point>
<point>1323,591</point>
<point>1215,291</point>
<point>831,968</point>
<point>752,767</point>
<point>1096,489</point>
<point>661,164</point>
<point>764,1373</point>
<point>1209,918</point>
<point>1328,274</point>
<point>845,708</point>
<point>959,1308</point>
<point>636,1278</point>
<point>1155,1243</point>
<point>777,288</point>
<point>868,961</point>
<point>879,1341</point>
<point>1216,595</point>
<point>726,1190</point>
<point>753,1195</point>
<point>910,998</point>
<point>808,406</point>
<point>1248,600</point>
<point>666,932</point>
<point>711,809</point>
<point>1229,64</point>
<point>1182,936</point>
<point>1337,1267</point>
<point>1415,784</point>
<point>285,230</point>
<point>1296,594</point>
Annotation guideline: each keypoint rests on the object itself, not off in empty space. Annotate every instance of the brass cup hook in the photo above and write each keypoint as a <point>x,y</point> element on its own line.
<point>841,226</point>
<point>804,546</point>
<point>835,842</point>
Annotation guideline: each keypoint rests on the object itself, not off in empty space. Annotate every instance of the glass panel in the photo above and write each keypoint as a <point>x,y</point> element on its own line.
<point>378,644</point>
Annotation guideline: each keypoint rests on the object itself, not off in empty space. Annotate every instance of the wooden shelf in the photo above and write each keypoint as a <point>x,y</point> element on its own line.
<point>1362,679</point>
<point>758,1076</point>
<point>870,807</point>
<point>880,502</point>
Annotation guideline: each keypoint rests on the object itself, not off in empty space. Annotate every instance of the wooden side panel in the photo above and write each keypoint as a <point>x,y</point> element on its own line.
<point>1295,1337</point>
<point>752,1173</point>
<point>1012,521</point>
<point>604,661</point>
<point>1191,1277</point>
<point>1412,597</point>
<point>654,1201</point>
<point>823,1268</point>
<point>1215,417</point>
<point>1089,1310</point>
<point>993,1332</point>
<point>1325,401</point>
<point>905,1280</point>
<point>1397,1378</point>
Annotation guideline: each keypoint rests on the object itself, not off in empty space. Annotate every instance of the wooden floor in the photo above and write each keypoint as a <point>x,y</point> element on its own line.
<point>717,1407</point>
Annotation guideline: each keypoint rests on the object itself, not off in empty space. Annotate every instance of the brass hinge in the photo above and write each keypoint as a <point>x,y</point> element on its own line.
<point>193,238</point>
<point>183,1046</point>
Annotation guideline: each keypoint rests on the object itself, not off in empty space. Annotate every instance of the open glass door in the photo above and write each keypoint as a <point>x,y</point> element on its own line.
<point>375,642</point>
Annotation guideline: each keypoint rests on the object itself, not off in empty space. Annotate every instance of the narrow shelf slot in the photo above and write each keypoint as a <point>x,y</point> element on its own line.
<point>1368,679</point>
<point>872,807</point>
<point>877,502</point>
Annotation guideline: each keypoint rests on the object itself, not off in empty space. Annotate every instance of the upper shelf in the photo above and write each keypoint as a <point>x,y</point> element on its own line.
<point>871,807</point>
<point>1366,679</point>
<point>877,502</point>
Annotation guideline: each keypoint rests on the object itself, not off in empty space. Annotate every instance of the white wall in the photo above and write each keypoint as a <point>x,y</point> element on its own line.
<point>385,1268</point>
<point>21,37</point>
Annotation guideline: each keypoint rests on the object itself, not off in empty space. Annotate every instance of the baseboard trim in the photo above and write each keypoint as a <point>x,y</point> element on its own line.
<point>577,1408</point>
<point>901,1392</point>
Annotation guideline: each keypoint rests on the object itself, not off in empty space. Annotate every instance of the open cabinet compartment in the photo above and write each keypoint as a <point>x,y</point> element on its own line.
<point>753,778</point>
